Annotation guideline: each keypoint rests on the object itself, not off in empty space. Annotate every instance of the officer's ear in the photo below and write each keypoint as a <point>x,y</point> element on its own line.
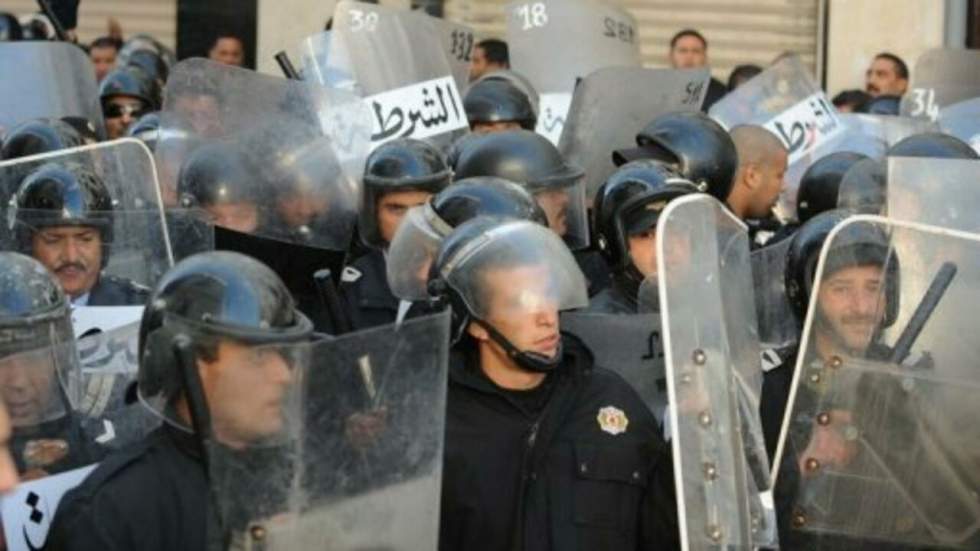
<point>752,176</point>
<point>477,331</point>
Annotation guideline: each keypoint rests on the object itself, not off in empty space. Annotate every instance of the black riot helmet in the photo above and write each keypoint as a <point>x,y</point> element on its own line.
<point>630,202</point>
<point>10,29</point>
<point>404,164</point>
<point>485,196</point>
<point>39,136</point>
<point>62,194</point>
<point>524,262</point>
<point>151,63</point>
<point>863,188</point>
<point>820,184</point>
<point>858,244</point>
<point>498,101</point>
<point>33,308</point>
<point>205,298</point>
<point>932,144</point>
<point>520,156</point>
<point>417,240</point>
<point>131,82</point>
<point>694,145</point>
<point>146,129</point>
<point>214,174</point>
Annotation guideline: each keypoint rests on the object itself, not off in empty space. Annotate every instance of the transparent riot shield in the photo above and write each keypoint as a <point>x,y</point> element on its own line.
<point>629,344</point>
<point>133,248</point>
<point>937,192</point>
<point>786,100</point>
<point>591,35</point>
<point>47,79</point>
<point>611,105</point>
<point>863,189</point>
<point>714,378</point>
<point>941,77</point>
<point>887,130</point>
<point>778,326</point>
<point>963,121</point>
<point>880,444</point>
<point>262,156</point>
<point>109,363</point>
<point>396,60</point>
<point>356,461</point>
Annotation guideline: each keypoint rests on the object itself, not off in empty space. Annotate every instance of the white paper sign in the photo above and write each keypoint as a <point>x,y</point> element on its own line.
<point>103,318</point>
<point>551,118</point>
<point>806,125</point>
<point>28,510</point>
<point>421,110</point>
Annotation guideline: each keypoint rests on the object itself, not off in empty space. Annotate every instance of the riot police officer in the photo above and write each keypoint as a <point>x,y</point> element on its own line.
<point>216,365</point>
<point>62,215</point>
<point>399,175</point>
<point>127,93</point>
<point>39,372</point>
<point>216,177</point>
<point>625,211</point>
<point>544,449</point>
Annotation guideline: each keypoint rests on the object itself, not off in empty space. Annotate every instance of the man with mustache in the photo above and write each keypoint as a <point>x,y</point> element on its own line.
<point>219,356</point>
<point>544,450</point>
<point>63,217</point>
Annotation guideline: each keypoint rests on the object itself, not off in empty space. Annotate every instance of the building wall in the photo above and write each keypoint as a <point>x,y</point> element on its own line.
<point>737,31</point>
<point>859,29</point>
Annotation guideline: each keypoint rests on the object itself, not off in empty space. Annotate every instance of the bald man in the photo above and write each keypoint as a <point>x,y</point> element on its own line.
<point>762,162</point>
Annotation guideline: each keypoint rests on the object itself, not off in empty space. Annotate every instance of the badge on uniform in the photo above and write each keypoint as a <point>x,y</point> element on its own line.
<point>612,420</point>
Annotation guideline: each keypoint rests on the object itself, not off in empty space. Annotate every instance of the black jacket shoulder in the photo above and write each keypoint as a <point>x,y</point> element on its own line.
<point>150,496</point>
<point>116,291</point>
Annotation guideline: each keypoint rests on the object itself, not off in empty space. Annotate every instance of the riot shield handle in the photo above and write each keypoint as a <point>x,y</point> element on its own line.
<point>924,311</point>
<point>197,402</point>
<point>59,29</point>
<point>288,69</point>
<point>331,301</point>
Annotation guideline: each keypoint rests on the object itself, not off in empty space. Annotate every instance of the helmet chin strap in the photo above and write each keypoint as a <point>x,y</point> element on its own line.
<point>529,361</point>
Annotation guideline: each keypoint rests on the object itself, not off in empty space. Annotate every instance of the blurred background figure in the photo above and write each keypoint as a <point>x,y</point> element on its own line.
<point>888,75</point>
<point>228,49</point>
<point>489,55</point>
<point>689,50</point>
<point>103,52</point>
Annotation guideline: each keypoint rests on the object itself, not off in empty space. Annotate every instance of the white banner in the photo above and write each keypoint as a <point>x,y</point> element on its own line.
<point>103,318</point>
<point>551,119</point>
<point>28,510</point>
<point>806,125</point>
<point>420,111</point>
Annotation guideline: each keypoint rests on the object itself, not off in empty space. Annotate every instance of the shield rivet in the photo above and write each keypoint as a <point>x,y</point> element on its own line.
<point>704,419</point>
<point>714,533</point>
<point>812,464</point>
<point>823,419</point>
<point>799,519</point>
<point>686,379</point>
<point>815,378</point>
<point>835,362</point>
<point>710,471</point>
<point>257,532</point>
<point>699,357</point>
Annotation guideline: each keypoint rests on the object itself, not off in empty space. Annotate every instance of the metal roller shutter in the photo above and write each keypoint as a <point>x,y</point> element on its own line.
<point>738,31</point>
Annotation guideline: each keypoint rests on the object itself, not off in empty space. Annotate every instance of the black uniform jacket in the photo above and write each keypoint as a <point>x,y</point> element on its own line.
<point>564,479</point>
<point>115,291</point>
<point>151,496</point>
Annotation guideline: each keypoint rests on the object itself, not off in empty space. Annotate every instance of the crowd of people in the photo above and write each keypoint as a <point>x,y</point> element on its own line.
<point>364,341</point>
